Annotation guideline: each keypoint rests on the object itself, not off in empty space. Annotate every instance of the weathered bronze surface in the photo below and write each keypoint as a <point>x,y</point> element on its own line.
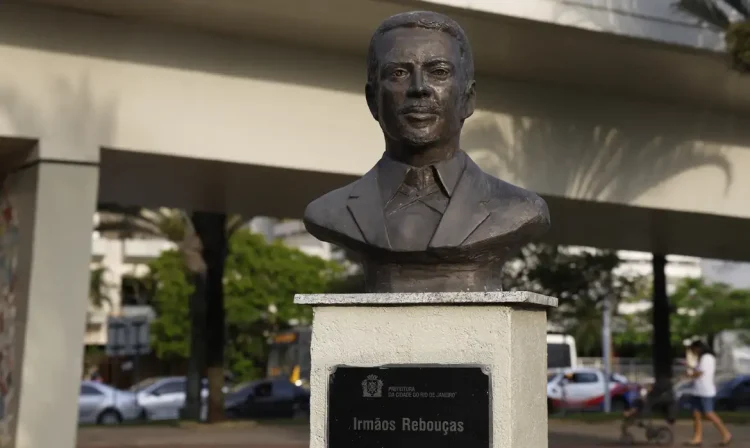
<point>426,218</point>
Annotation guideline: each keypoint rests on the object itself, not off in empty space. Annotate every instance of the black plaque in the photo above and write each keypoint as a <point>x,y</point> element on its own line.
<point>409,406</point>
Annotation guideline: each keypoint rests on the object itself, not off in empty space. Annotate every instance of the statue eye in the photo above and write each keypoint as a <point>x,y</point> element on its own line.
<point>441,72</point>
<point>399,73</point>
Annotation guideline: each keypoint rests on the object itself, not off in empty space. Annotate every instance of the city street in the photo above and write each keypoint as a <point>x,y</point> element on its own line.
<point>247,435</point>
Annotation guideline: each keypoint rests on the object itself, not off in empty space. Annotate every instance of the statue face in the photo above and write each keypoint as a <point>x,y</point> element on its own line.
<point>421,97</point>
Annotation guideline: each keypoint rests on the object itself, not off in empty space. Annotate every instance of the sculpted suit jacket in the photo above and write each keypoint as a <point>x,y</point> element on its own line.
<point>482,211</point>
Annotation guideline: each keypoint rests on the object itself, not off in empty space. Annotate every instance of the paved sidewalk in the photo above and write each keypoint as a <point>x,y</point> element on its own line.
<point>243,435</point>
<point>248,435</point>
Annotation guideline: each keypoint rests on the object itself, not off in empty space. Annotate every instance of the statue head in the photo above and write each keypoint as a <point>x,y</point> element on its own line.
<point>420,82</point>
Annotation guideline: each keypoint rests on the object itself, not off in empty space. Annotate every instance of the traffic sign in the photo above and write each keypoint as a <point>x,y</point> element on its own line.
<point>128,336</point>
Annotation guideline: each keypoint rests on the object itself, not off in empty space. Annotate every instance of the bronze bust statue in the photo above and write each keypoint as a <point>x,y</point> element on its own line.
<point>426,218</point>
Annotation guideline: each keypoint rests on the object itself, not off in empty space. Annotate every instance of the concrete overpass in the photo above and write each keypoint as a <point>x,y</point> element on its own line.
<point>637,141</point>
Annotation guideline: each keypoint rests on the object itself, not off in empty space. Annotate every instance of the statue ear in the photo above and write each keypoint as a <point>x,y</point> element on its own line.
<point>372,103</point>
<point>470,99</point>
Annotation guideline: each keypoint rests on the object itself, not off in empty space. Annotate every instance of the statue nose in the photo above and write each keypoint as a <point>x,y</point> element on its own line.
<point>418,85</point>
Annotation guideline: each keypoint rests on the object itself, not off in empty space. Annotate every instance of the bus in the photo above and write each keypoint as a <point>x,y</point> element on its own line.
<point>289,354</point>
<point>561,352</point>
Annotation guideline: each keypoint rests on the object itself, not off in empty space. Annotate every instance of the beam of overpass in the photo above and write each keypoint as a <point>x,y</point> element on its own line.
<point>190,109</point>
<point>153,98</point>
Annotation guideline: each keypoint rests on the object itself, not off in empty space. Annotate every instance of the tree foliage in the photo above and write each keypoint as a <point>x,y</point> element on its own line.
<point>703,309</point>
<point>699,309</point>
<point>718,14</point>
<point>581,279</point>
<point>99,287</point>
<point>171,292</point>
<point>260,281</point>
<point>136,222</point>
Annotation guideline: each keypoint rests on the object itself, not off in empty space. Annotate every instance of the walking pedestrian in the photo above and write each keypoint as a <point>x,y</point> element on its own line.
<point>704,394</point>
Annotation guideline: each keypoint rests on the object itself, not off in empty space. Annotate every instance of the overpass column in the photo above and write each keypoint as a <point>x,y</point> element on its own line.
<point>45,251</point>
<point>661,333</point>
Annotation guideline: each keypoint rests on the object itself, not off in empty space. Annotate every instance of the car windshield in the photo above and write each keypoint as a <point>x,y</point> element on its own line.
<point>551,377</point>
<point>240,386</point>
<point>143,384</point>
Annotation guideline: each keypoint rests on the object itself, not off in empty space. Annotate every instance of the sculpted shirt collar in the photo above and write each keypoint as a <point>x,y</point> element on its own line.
<point>391,174</point>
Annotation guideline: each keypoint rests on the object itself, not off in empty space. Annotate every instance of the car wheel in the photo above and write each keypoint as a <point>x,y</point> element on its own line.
<point>109,417</point>
<point>231,414</point>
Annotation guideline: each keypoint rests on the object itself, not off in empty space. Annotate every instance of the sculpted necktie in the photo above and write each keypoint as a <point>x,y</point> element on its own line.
<point>413,215</point>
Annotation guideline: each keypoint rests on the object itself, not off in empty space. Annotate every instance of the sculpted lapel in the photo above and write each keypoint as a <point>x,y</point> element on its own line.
<point>466,210</point>
<point>366,207</point>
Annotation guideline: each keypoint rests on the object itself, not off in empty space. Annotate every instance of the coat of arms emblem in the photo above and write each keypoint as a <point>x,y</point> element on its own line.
<point>372,387</point>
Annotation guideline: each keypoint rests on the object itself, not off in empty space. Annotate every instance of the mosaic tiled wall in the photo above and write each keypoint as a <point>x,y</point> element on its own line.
<point>9,234</point>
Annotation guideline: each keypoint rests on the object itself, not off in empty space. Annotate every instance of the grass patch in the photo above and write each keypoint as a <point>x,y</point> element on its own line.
<point>190,424</point>
<point>134,423</point>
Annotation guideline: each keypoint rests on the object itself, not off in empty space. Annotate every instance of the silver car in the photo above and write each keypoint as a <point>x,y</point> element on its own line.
<point>104,405</point>
<point>162,398</point>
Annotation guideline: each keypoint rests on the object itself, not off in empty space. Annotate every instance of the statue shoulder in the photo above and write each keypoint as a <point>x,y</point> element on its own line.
<point>328,219</point>
<point>326,210</point>
<point>527,208</point>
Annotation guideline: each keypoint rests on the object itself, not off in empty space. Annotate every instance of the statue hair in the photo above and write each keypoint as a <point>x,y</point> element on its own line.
<point>425,20</point>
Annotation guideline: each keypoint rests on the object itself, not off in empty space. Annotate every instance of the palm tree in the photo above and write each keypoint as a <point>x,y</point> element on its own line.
<point>98,286</point>
<point>732,17</point>
<point>202,239</point>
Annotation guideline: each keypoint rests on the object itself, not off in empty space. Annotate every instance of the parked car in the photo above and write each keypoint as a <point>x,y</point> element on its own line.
<point>732,394</point>
<point>269,398</point>
<point>583,389</point>
<point>162,398</point>
<point>105,405</point>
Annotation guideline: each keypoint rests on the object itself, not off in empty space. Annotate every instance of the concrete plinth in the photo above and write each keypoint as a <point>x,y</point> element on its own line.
<point>505,332</point>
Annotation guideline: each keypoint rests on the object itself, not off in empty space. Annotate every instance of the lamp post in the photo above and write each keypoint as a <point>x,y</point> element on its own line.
<point>606,350</point>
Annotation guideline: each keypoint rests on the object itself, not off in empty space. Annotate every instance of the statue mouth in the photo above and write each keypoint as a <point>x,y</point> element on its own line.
<point>420,116</point>
<point>420,113</point>
<point>420,119</point>
<point>420,108</point>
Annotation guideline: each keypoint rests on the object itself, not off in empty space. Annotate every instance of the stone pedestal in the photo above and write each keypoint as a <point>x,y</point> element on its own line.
<point>501,333</point>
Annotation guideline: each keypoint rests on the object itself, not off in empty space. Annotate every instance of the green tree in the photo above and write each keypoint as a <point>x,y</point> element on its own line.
<point>260,280</point>
<point>706,309</point>
<point>202,240</point>
<point>718,14</point>
<point>171,295</point>
<point>581,279</point>
<point>698,309</point>
<point>99,287</point>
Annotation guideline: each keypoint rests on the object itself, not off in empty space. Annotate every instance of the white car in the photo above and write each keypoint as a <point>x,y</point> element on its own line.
<point>162,398</point>
<point>583,389</point>
<point>104,405</point>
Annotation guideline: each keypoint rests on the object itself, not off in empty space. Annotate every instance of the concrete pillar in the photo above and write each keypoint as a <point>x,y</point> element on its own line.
<point>45,252</point>
<point>432,369</point>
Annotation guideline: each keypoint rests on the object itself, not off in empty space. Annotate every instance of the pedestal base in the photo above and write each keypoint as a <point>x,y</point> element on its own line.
<point>505,333</point>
